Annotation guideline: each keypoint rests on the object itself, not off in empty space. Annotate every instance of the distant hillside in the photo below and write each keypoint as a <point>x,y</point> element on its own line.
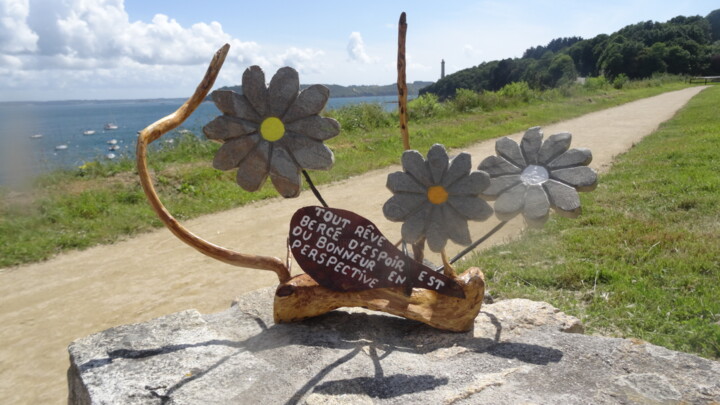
<point>682,45</point>
<point>357,91</point>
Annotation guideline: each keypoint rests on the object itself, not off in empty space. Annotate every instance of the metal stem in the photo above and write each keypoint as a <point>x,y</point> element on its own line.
<point>314,190</point>
<point>478,242</point>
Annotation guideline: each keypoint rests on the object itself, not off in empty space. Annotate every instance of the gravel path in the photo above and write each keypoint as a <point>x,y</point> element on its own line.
<point>47,305</point>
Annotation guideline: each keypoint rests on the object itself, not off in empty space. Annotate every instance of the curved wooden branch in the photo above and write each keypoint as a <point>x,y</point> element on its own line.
<point>152,133</point>
<point>301,298</point>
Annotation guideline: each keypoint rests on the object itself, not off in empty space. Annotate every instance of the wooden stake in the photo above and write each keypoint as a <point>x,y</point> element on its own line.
<point>402,82</point>
<point>157,129</point>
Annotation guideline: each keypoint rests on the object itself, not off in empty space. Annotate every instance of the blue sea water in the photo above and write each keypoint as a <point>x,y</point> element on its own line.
<point>23,155</point>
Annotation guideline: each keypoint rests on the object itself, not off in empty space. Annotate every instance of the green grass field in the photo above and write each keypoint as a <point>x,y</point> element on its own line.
<point>103,202</point>
<point>643,260</point>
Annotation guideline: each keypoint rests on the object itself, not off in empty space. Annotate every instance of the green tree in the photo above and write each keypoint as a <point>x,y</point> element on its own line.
<point>714,21</point>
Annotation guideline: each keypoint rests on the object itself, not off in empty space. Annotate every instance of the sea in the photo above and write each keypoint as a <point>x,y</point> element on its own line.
<point>39,137</point>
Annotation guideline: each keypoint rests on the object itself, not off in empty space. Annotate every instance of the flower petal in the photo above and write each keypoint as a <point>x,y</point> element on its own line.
<point>530,145</point>
<point>511,202</point>
<point>308,153</point>
<point>473,208</point>
<point>253,84</point>
<point>500,184</point>
<point>459,167</point>
<point>253,170</point>
<point>537,205</point>
<point>414,164</point>
<point>283,91</point>
<point>456,226</point>
<point>437,161</point>
<point>582,178</point>
<point>284,173</point>
<point>235,104</point>
<point>563,198</point>
<point>498,166</point>
<point>413,229</point>
<point>473,184</point>
<point>573,157</point>
<point>401,205</point>
<point>309,102</point>
<point>509,149</point>
<point>436,235</point>
<point>225,127</point>
<point>231,153</point>
<point>401,182</point>
<point>315,127</point>
<point>553,147</point>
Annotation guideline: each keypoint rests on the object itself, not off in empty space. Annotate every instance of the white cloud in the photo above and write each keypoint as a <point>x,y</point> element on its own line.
<point>356,49</point>
<point>42,42</point>
<point>15,35</point>
<point>305,60</point>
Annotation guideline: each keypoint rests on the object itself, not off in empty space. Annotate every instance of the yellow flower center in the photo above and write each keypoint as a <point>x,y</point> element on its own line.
<point>272,129</point>
<point>437,195</point>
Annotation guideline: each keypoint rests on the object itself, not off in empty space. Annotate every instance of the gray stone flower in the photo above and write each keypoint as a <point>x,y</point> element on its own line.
<point>536,175</point>
<point>274,130</point>
<point>435,198</point>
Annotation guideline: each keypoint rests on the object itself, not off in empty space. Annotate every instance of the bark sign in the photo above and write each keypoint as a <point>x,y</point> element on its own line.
<point>343,251</point>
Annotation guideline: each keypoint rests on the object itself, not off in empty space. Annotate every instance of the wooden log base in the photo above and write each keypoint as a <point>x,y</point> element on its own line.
<point>301,298</point>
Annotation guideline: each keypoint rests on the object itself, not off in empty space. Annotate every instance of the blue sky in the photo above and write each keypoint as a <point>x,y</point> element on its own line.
<point>109,49</point>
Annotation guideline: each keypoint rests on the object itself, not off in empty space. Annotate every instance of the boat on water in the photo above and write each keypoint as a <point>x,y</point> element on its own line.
<point>111,155</point>
<point>36,136</point>
<point>110,126</point>
<point>114,147</point>
<point>112,142</point>
<point>61,147</point>
<point>89,132</point>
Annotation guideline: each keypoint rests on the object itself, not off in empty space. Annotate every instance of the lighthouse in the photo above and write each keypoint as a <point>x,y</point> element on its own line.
<point>442,69</point>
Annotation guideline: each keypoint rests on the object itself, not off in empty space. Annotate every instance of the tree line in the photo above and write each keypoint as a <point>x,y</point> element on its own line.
<point>682,45</point>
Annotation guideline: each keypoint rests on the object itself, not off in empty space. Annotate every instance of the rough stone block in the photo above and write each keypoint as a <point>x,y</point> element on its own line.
<point>520,351</point>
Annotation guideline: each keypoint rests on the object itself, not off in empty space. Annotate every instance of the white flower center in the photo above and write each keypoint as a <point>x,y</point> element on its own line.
<point>534,174</point>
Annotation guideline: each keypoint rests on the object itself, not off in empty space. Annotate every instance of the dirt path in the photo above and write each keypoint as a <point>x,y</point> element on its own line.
<point>46,306</point>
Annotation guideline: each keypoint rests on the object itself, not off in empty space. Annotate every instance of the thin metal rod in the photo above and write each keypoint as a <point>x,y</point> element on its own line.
<point>314,190</point>
<point>478,242</point>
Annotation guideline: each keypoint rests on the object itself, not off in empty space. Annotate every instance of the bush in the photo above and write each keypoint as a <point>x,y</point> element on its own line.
<point>519,91</point>
<point>597,83</point>
<point>425,106</point>
<point>620,81</point>
<point>363,116</point>
<point>465,100</point>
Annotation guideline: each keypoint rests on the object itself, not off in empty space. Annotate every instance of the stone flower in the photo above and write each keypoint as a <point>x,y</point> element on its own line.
<point>536,175</point>
<point>435,198</point>
<point>273,130</point>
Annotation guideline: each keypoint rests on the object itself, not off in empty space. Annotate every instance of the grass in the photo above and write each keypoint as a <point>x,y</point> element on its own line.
<point>103,202</point>
<point>644,258</point>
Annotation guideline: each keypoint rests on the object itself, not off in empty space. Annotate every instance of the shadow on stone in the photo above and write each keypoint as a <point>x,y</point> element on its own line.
<point>385,387</point>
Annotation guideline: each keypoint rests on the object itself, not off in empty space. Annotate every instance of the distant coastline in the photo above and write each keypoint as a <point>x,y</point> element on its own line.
<point>336,91</point>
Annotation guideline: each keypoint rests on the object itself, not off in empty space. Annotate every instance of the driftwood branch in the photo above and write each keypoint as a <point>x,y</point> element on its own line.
<point>402,82</point>
<point>301,298</point>
<point>157,129</point>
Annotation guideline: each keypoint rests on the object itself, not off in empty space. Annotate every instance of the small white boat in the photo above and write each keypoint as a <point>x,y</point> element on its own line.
<point>61,147</point>
<point>112,142</point>
<point>89,132</point>
<point>111,155</point>
<point>110,126</point>
<point>36,136</point>
<point>114,147</point>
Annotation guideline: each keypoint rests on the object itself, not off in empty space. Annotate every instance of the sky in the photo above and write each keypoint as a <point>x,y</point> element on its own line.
<point>132,49</point>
